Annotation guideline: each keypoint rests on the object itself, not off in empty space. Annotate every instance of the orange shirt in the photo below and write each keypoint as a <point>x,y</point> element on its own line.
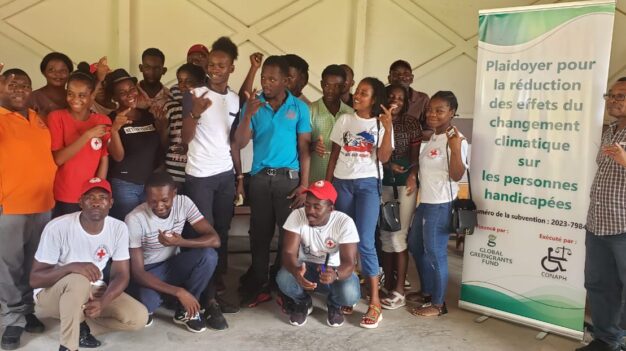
<point>27,168</point>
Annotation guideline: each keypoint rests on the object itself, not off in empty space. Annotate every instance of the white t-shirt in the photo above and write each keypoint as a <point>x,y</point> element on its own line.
<point>209,151</point>
<point>359,139</point>
<point>144,225</point>
<point>315,242</point>
<point>433,171</point>
<point>64,241</point>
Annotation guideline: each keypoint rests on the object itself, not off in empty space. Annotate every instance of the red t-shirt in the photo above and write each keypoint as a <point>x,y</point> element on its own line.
<point>64,130</point>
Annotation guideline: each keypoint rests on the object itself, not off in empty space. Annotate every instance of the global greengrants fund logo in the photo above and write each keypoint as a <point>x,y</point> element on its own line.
<point>490,256</point>
<point>491,242</point>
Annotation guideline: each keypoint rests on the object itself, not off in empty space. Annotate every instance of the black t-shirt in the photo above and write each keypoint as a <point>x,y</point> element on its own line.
<point>141,149</point>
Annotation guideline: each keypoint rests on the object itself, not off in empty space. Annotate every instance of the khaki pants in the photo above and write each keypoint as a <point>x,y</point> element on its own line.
<point>64,300</point>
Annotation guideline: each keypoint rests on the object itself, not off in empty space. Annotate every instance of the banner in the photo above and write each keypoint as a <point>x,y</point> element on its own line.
<point>541,73</point>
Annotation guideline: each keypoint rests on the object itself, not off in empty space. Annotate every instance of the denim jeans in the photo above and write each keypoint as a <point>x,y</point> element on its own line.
<point>126,196</point>
<point>428,243</point>
<point>191,270</point>
<point>358,198</point>
<point>605,278</point>
<point>345,292</point>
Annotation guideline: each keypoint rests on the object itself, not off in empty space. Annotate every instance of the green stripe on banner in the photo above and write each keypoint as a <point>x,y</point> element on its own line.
<point>549,309</point>
<point>507,29</point>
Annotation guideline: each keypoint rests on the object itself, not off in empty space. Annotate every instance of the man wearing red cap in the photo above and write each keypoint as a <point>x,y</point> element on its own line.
<point>67,271</point>
<point>319,251</point>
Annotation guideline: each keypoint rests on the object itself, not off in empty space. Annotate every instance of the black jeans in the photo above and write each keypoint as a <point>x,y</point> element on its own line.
<point>269,208</point>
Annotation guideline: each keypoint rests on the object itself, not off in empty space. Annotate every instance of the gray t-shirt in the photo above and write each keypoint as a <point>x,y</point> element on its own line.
<point>144,227</point>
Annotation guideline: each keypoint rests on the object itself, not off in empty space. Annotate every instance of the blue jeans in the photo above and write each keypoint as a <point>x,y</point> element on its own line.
<point>126,196</point>
<point>605,278</point>
<point>358,198</point>
<point>428,243</point>
<point>190,269</point>
<point>345,292</point>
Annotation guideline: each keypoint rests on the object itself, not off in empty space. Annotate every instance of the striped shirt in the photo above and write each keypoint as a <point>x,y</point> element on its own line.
<point>607,207</point>
<point>175,163</point>
<point>144,225</point>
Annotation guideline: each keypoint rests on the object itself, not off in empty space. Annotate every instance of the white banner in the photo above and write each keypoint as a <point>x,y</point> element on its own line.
<point>541,73</point>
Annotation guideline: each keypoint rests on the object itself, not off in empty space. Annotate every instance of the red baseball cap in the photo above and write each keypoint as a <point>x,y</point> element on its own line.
<point>322,190</point>
<point>198,48</point>
<point>96,183</point>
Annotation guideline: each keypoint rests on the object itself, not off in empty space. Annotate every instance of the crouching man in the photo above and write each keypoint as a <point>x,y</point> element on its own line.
<point>157,269</point>
<point>319,252</point>
<point>67,271</point>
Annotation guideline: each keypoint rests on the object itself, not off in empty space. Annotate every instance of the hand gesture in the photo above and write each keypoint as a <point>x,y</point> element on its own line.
<point>297,197</point>
<point>616,153</point>
<point>454,137</point>
<point>167,238</point>
<point>87,269</point>
<point>253,103</point>
<point>121,120</point>
<point>304,283</point>
<point>327,277</point>
<point>93,308</point>
<point>255,60</point>
<point>102,69</point>
<point>320,147</point>
<point>397,169</point>
<point>189,302</point>
<point>200,104</point>
<point>97,131</point>
<point>385,117</point>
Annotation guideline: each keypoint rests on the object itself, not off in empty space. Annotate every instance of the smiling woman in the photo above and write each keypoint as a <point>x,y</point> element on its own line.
<point>56,67</point>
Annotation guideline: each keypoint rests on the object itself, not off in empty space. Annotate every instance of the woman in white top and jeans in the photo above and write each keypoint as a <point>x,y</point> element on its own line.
<point>361,141</point>
<point>442,164</point>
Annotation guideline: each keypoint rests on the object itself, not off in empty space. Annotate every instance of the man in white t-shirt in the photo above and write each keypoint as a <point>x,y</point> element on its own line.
<point>155,229</point>
<point>319,251</point>
<point>67,271</point>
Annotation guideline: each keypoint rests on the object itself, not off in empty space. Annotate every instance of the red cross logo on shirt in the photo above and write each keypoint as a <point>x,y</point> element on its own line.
<point>434,153</point>
<point>101,253</point>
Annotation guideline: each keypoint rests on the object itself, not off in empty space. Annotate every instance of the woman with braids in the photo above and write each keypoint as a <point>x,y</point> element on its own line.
<point>442,164</point>
<point>79,139</point>
<point>56,67</point>
<point>362,141</point>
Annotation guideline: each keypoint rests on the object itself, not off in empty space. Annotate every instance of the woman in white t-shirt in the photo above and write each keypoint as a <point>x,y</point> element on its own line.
<point>361,141</point>
<point>442,164</point>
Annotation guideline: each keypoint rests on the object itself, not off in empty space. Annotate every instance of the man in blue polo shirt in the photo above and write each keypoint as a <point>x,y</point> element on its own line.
<point>279,125</point>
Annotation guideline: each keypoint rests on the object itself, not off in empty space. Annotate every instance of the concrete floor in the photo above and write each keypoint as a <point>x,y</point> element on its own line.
<point>266,328</point>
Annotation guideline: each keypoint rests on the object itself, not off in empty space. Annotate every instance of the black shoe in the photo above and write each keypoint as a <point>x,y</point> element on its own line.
<point>150,320</point>
<point>335,316</point>
<point>285,302</point>
<point>194,324</point>
<point>63,348</point>
<point>214,318</point>
<point>11,337</point>
<point>299,314</point>
<point>598,345</point>
<point>33,325</point>
<point>87,340</point>
<point>227,307</point>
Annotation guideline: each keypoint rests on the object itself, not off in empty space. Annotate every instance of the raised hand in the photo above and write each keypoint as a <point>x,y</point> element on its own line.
<point>385,117</point>
<point>256,59</point>
<point>253,103</point>
<point>102,69</point>
<point>199,104</point>
<point>616,152</point>
<point>121,120</point>
<point>320,148</point>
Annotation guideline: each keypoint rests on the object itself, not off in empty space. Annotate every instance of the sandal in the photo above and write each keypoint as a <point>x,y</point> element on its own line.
<point>372,317</point>
<point>393,301</point>
<point>347,310</point>
<point>430,310</point>
<point>418,297</point>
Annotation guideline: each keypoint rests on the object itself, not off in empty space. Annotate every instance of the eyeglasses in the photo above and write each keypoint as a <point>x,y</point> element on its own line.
<point>616,97</point>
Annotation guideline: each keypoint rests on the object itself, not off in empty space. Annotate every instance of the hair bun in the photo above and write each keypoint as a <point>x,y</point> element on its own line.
<point>83,67</point>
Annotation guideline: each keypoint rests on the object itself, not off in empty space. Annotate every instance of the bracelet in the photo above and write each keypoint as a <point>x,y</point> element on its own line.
<point>240,176</point>
<point>194,116</point>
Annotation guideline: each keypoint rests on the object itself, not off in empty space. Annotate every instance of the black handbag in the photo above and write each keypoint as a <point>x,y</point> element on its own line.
<point>389,215</point>
<point>463,216</point>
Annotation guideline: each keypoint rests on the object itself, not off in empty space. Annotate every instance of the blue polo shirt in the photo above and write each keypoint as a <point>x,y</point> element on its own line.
<point>275,134</point>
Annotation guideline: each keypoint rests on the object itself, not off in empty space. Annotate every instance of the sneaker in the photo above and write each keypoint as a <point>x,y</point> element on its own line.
<point>300,312</point>
<point>33,325</point>
<point>11,337</point>
<point>335,317</point>
<point>194,324</point>
<point>226,307</point>
<point>598,345</point>
<point>214,318</point>
<point>150,320</point>
<point>63,348</point>
<point>85,339</point>
<point>285,302</point>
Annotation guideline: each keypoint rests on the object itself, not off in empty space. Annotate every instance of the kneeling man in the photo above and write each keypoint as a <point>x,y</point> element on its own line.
<point>67,271</point>
<point>319,252</point>
<point>155,240</point>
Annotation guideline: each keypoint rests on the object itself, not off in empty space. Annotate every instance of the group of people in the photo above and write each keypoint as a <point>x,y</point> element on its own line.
<point>165,164</point>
